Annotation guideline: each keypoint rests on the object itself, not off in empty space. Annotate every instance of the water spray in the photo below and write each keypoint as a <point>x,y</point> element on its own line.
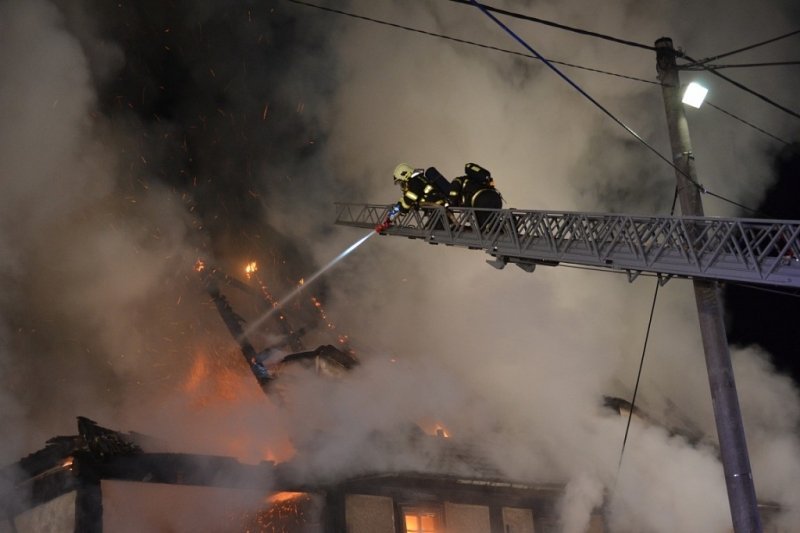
<point>263,318</point>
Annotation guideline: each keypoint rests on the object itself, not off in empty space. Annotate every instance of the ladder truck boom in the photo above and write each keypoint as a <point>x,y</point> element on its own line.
<point>755,251</point>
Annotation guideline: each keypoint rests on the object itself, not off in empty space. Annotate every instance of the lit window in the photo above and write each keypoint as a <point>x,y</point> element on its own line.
<point>420,520</point>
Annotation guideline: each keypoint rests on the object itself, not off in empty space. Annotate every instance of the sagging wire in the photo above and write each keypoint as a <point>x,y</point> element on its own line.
<point>644,351</point>
<point>639,374</point>
<point>467,42</point>
<point>608,113</point>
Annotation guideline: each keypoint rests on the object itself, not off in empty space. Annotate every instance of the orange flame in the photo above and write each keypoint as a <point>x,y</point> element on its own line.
<point>435,429</point>
<point>250,269</point>
<point>219,383</point>
<point>197,374</point>
<point>279,497</point>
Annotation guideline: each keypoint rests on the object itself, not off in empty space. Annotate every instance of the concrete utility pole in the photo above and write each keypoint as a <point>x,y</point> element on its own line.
<point>730,431</point>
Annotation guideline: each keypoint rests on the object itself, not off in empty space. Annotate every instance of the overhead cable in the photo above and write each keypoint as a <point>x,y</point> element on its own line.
<point>559,26</point>
<point>742,87</point>
<point>690,66</point>
<point>743,121</point>
<point>471,43</point>
<point>599,105</point>
<point>639,373</point>
<point>794,294</point>
<point>549,63</point>
<point>748,65</point>
<point>749,47</point>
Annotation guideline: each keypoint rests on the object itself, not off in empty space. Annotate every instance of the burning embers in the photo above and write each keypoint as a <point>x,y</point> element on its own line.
<point>288,512</point>
<point>267,363</point>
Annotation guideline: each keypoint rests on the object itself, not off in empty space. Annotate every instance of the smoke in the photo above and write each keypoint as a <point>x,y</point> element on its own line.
<point>582,496</point>
<point>139,138</point>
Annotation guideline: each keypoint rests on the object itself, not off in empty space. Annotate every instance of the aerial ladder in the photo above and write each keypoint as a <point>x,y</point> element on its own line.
<point>707,250</point>
<point>756,251</point>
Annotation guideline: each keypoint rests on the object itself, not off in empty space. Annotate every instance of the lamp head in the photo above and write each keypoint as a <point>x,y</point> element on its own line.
<point>694,94</point>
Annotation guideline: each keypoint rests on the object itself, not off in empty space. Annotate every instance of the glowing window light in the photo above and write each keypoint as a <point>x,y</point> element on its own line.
<point>421,520</point>
<point>694,95</point>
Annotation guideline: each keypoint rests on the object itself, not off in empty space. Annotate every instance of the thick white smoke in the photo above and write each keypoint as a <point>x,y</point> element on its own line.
<point>540,350</point>
<point>103,317</point>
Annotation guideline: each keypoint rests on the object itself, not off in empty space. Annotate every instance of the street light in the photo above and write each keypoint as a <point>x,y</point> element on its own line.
<point>694,95</point>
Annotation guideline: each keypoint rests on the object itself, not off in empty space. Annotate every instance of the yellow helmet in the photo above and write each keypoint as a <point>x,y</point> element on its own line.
<point>402,172</point>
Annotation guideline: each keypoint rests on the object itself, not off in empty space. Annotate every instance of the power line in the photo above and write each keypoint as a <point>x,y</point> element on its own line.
<point>639,373</point>
<point>743,121</point>
<point>549,63</point>
<point>749,47</point>
<point>519,54</point>
<point>602,108</point>
<point>698,64</point>
<point>742,87</point>
<point>559,26</point>
<point>567,79</point>
<point>467,42</point>
<point>765,289</point>
<point>749,65</point>
<point>486,9</point>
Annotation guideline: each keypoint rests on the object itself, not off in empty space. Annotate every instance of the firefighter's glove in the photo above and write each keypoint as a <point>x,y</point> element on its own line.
<point>383,226</point>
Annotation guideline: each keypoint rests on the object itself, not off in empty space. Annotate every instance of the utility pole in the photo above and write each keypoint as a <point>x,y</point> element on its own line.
<point>730,430</point>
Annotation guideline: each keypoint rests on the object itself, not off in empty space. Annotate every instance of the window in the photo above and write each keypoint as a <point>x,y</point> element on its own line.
<point>422,520</point>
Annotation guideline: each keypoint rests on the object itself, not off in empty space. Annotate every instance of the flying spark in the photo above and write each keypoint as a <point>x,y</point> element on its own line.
<point>306,282</point>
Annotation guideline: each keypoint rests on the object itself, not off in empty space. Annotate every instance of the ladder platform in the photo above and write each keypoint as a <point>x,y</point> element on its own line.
<point>756,251</point>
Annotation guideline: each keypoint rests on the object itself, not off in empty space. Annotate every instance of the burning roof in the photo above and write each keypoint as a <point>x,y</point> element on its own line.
<point>266,364</point>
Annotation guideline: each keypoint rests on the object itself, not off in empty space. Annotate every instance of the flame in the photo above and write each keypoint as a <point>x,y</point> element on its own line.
<point>250,269</point>
<point>435,429</point>
<point>279,497</point>
<point>197,374</point>
<point>67,463</point>
<point>285,511</point>
<point>219,384</point>
<point>199,265</point>
<point>219,379</point>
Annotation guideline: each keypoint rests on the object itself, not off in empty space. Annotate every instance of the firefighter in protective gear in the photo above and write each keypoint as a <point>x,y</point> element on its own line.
<point>419,186</point>
<point>475,189</point>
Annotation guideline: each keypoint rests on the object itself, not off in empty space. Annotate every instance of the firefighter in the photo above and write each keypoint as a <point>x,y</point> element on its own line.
<point>475,189</point>
<point>419,186</point>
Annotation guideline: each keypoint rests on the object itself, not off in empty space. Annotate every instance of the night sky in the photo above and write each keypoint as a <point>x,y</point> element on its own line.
<point>765,317</point>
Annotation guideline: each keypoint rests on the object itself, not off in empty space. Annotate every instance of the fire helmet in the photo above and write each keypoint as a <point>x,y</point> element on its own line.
<point>402,172</point>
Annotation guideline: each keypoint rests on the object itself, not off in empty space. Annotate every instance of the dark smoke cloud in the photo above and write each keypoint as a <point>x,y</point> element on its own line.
<point>139,137</point>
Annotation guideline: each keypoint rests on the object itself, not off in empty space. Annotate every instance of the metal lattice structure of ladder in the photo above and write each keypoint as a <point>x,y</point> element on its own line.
<point>755,251</point>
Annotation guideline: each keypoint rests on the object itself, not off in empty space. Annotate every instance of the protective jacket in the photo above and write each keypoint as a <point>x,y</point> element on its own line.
<point>475,189</point>
<point>427,186</point>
